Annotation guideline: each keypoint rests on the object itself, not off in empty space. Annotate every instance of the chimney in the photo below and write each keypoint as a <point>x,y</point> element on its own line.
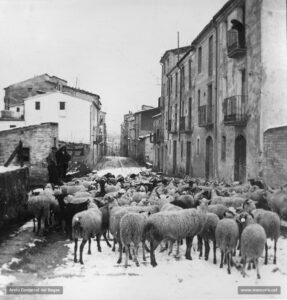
<point>30,91</point>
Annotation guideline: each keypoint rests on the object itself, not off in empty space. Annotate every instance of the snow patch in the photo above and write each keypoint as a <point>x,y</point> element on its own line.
<point>8,169</point>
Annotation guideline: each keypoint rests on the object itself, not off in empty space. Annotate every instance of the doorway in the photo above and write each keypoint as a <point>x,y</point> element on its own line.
<point>240,159</point>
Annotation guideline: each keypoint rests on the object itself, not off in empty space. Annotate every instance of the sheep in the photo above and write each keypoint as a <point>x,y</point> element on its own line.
<point>40,207</point>
<point>278,203</point>
<point>270,221</point>
<point>175,225</point>
<point>105,226</point>
<point>86,225</point>
<point>233,201</point>
<point>131,233</point>
<point>208,233</point>
<point>185,201</point>
<point>226,236</point>
<point>72,189</point>
<point>253,239</point>
<point>218,209</point>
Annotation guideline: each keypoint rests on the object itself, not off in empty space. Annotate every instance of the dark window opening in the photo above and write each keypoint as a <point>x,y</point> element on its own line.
<point>12,126</point>
<point>189,74</point>
<point>18,109</point>
<point>25,155</point>
<point>62,105</point>
<point>37,105</point>
<point>223,148</point>
<point>199,59</point>
<point>210,59</point>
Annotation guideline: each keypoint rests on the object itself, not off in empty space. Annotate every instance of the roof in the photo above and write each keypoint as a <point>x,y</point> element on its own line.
<point>146,110</point>
<point>54,92</point>
<point>175,51</point>
<point>28,127</point>
<point>11,119</point>
<point>45,74</point>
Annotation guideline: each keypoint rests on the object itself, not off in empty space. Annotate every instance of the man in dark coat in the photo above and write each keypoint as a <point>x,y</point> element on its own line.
<point>52,167</point>
<point>63,158</point>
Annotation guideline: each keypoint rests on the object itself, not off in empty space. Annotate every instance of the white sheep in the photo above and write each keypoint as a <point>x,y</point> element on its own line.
<point>175,225</point>
<point>270,221</point>
<point>131,234</point>
<point>86,225</point>
<point>226,236</point>
<point>253,239</point>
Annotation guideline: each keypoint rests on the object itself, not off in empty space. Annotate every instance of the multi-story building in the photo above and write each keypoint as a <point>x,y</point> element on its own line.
<point>230,84</point>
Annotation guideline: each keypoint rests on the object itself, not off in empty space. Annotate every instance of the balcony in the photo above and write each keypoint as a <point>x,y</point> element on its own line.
<point>205,115</point>
<point>234,109</point>
<point>235,43</point>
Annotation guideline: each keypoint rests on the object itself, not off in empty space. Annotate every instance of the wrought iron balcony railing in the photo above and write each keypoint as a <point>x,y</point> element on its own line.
<point>234,109</point>
<point>235,43</point>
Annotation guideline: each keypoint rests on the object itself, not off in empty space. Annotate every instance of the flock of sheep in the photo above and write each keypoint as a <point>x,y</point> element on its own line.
<point>149,210</point>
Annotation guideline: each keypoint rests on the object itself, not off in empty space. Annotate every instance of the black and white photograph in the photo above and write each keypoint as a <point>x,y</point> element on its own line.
<point>143,149</point>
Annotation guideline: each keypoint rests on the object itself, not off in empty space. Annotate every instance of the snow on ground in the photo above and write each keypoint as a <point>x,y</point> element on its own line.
<point>102,278</point>
<point>8,169</point>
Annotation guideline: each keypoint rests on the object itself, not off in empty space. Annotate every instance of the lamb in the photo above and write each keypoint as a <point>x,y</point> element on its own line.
<point>253,239</point>
<point>131,233</point>
<point>270,221</point>
<point>226,236</point>
<point>86,225</point>
<point>208,233</point>
<point>174,225</point>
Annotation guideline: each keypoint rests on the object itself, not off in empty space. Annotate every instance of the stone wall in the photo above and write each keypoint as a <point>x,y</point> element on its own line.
<point>37,140</point>
<point>14,186</point>
<point>275,156</point>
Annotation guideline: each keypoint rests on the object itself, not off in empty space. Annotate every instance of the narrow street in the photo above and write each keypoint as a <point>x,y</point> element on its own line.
<point>26,259</point>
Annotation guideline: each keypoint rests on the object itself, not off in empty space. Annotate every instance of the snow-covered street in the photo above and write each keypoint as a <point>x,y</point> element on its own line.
<point>48,261</point>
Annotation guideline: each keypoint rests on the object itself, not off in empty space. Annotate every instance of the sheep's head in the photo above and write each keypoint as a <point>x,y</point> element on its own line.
<point>244,219</point>
<point>249,205</point>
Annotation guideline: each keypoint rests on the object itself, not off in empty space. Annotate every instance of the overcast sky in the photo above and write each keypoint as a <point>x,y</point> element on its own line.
<point>113,47</point>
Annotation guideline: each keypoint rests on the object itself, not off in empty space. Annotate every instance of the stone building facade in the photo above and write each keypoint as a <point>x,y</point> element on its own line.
<point>37,141</point>
<point>229,85</point>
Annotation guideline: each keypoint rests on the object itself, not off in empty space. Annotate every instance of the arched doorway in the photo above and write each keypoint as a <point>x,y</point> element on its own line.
<point>240,159</point>
<point>209,158</point>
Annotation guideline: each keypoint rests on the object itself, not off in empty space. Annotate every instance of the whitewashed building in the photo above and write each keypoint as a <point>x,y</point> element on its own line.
<point>77,118</point>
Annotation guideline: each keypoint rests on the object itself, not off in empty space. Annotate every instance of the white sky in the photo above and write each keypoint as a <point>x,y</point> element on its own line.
<point>112,46</point>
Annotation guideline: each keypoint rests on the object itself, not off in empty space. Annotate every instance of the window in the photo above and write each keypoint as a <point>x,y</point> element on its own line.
<point>182,77</point>
<point>37,105</point>
<point>198,98</point>
<point>25,155</point>
<point>197,146</point>
<point>176,84</point>
<point>189,74</point>
<point>223,148</point>
<point>62,105</point>
<point>18,109</point>
<point>199,59</point>
<point>12,126</point>
<point>210,56</point>
<point>189,111</point>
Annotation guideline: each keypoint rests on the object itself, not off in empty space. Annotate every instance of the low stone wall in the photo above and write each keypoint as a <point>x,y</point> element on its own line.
<point>14,186</point>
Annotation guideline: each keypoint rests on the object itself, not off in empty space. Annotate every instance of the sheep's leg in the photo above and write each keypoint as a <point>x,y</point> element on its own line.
<point>170,247</point>
<point>207,249</point>
<point>129,251</point>
<point>249,265</point>
<point>127,257</point>
<point>257,268</point>
<point>243,267</point>
<point>89,249</point>
<point>81,250</point>
<point>99,242</point>
<point>275,250</point>
<point>153,246</point>
<point>135,251</point>
<point>214,252</point>
<point>177,249</point>
<point>266,254</point>
<point>229,255</point>
<point>75,250</point>
<point>222,258</point>
<point>199,245</point>
<point>107,241</point>
<point>38,225</point>
<point>144,258</point>
<point>114,246</point>
<point>188,248</point>
<point>120,253</point>
<point>34,225</point>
